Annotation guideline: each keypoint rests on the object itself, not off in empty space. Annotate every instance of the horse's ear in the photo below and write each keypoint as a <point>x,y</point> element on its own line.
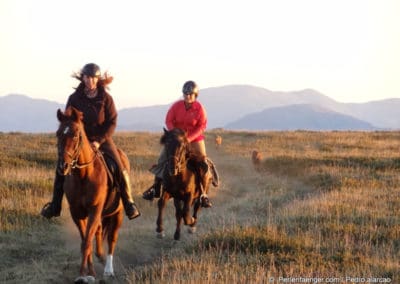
<point>60,115</point>
<point>163,137</point>
<point>76,115</point>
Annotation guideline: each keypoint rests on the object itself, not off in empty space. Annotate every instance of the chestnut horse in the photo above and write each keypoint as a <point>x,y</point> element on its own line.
<point>180,182</point>
<point>95,208</point>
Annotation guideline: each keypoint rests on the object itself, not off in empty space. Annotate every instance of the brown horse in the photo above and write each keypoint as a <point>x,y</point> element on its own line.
<point>95,208</point>
<point>180,182</point>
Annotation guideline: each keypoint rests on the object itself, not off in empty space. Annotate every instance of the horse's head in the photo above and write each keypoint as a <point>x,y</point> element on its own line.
<point>69,139</point>
<point>175,143</point>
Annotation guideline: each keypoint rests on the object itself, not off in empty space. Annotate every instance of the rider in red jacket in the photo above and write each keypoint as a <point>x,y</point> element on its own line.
<point>192,119</point>
<point>189,115</point>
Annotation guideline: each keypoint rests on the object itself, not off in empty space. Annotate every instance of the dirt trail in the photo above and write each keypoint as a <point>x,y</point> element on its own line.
<point>138,244</point>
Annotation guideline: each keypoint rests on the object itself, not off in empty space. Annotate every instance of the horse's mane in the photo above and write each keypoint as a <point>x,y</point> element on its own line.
<point>175,133</point>
<point>70,113</point>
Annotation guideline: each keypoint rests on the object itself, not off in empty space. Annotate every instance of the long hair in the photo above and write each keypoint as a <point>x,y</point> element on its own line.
<point>103,82</point>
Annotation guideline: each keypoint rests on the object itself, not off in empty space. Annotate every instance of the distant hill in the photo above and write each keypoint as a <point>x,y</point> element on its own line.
<point>295,117</point>
<point>228,103</point>
<point>230,107</point>
<point>142,118</point>
<point>383,113</point>
<point>19,113</point>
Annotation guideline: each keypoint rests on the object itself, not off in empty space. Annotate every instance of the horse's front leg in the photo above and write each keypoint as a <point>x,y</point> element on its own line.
<point>81,224</point>
<point>94,221</point>
<point>189,220</point>
<point>161,205</point>
<point>178,216</point>
<point>82,227</point>
<point>99,245</point>
<point>196,209</point>
<point>113,225</point>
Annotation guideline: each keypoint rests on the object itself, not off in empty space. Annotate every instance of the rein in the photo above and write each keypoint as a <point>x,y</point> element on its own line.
<point>74,164</point>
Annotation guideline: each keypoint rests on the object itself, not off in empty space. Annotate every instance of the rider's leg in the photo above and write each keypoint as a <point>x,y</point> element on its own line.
<point>127,199</point>
<point>154,191</point>
<point>130,207</point>
<point>53,208</point>
<point>198,149</point>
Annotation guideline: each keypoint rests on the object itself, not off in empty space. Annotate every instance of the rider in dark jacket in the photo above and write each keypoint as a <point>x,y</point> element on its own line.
<point>99,119</point>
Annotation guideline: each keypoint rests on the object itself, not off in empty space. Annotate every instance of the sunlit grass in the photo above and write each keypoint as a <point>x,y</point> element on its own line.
<point>322,204</point>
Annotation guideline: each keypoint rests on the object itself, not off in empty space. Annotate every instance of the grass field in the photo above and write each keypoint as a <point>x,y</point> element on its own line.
<point>323,207</point>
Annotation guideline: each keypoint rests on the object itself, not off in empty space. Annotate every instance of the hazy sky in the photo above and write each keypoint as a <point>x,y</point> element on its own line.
<point>347,49</point>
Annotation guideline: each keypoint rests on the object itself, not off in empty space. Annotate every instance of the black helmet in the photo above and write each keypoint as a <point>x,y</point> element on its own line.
<point>189,87</point>
<point>91,70</point>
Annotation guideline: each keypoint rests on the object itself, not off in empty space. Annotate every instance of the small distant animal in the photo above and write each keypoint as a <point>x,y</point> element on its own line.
<point>218,141</point>
<point>256,158</point>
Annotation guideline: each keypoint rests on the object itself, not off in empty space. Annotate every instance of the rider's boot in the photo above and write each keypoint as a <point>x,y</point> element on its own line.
<point>129,205</point>
<point>53,208</point>
<point>153,191</point>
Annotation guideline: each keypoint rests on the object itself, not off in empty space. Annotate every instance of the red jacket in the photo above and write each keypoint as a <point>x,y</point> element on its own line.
<point>193,120</point>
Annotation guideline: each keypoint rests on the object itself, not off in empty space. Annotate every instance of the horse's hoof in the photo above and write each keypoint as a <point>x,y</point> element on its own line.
<point>85,279</point>
<point>101,259</point>
<point>192,230</point>
<point>160,235</point>
<point>108,274</point>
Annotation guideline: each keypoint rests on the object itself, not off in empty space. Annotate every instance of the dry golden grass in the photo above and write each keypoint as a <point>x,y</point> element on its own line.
<point>323,204</point>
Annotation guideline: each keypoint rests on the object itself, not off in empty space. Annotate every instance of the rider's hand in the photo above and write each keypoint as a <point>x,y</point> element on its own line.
<point>96,145</point>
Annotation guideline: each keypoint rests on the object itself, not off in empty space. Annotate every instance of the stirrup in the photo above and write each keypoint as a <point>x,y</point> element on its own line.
<point>131,211</point>
<point>149,194</point>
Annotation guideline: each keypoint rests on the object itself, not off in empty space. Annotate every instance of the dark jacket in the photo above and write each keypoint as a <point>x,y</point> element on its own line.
<point>99,113</point>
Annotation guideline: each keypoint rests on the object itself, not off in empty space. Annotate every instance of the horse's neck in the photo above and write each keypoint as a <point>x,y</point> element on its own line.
<point>86,156</point>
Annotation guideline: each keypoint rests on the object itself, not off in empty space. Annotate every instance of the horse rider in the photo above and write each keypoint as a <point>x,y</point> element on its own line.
<point>100,119</point>
<point>189,115</point>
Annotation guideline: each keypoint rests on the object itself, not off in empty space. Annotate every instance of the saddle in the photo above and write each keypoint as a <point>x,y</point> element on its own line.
<point>114,175</point>
<point>113,183</point>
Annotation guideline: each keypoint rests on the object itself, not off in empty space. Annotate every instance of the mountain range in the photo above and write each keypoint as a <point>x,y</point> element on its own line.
<point>235,107</point>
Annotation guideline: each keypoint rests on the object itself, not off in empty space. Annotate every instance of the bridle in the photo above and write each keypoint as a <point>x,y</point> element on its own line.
<point>74,156</point>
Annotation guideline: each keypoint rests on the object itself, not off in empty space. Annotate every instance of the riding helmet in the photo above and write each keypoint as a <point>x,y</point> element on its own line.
<point>91,70</point>
<point>189,87</point>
